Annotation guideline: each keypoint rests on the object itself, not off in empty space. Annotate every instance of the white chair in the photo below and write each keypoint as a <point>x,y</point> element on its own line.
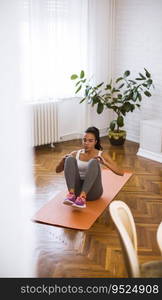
<point>124,222</point>
<point>159,237</point>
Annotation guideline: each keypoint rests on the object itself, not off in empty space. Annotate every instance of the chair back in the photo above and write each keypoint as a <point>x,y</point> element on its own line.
<point>159,237</point>
<point>125,225</point>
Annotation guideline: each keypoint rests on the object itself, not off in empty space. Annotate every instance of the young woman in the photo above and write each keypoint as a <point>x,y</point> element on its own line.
<point>82,170</point>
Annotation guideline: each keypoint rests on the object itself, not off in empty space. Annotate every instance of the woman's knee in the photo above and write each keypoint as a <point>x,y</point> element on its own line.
<point>70,160</point>
<point>70,157</point>
<point>93,162</point>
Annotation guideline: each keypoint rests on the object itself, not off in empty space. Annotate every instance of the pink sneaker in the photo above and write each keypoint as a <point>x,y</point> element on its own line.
<point>70,198</point>
<point>80,202</point>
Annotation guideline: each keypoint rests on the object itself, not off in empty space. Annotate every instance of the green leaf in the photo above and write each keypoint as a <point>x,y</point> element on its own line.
<point>114,107</point>
<point>82,74</point>
<point>144,84</point>
<point>74,76</point>
<point>129,96</point>
<point>99,85</point>
<point>88,88</point>
<point>95,100</point>
<point>108,87</point>
<point>107,96</point>
<point>112,125</point>
<point>119,79</point>
<point>132,81</point>
<point>78,82</point>
<point>114,90</point>
<point>148,75</point>
<point>147,93</point>
<point>126,73</point>
<point>82,100</point>
<point>100,108</point>
<point>149,81</point>
<point>120,121</point>
<point>127,106</point>
<point>132,107</point>
<point>108,105</point>
<point>138,78</point>
<point>141,75</point>
<point>121,86</point>
<point>78,89</point>
<point>125,92</point>
<point>123,111</point>
<point>135,96</point>
<point>139,97</point>
<point>138,105</point>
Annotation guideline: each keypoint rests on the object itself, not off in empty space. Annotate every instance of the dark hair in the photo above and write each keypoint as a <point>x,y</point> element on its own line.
<point>96,133</point>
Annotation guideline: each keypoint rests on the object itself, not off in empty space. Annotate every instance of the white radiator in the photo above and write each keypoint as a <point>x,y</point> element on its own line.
<point>44,123</point>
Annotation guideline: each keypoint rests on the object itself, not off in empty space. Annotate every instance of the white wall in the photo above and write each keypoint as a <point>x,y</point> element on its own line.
<point>77,117</point>
<point>99,59</point>
<point>74,118</point>
<point>71,117</point>
<point>101,121</point>
<point>134,41</point>
<point>16,185</point>
<point>138,44</point>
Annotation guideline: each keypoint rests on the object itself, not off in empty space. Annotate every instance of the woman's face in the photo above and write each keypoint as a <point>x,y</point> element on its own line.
<point>89,141</point>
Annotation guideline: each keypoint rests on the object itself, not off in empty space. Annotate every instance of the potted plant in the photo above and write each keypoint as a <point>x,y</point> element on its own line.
<point>122,95</point>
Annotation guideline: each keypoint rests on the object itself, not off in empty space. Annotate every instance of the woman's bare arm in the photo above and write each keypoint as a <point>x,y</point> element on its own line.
<point>60,165</point>
<point>107,161</point>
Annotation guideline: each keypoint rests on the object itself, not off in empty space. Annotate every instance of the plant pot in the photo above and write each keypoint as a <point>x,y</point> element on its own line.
<point>117,138</point>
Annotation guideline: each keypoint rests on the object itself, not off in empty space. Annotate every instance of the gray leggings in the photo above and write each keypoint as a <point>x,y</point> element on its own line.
<point>92,183</point>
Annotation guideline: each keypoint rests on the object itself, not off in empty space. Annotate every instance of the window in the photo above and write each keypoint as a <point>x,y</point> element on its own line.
<point>55,46</point>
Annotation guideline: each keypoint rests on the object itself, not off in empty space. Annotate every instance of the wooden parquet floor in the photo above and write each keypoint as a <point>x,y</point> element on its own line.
<point>67,253</point>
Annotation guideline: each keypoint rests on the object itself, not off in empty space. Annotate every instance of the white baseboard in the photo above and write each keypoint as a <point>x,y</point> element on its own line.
<point>76,135</point>
<point>71,136</point>
<point>150,155</point>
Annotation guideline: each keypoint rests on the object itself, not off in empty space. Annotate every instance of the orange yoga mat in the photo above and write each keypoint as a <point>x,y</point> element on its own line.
<point>54,212</point>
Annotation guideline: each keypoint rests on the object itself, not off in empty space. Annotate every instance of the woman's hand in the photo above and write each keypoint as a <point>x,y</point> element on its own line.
<point>101,160</point>
<point>65,156</point>
<point>60,166</point>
